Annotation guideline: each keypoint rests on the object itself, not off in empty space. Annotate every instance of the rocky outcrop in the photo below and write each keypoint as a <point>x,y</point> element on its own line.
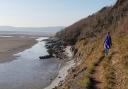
<point>57,47</point>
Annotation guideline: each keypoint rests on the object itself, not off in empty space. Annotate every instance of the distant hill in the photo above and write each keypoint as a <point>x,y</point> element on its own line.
<point>30,30</point>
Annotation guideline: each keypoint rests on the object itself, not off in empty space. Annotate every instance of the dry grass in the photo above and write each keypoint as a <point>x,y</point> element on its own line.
<point>109,75</point>
<point>93,56</point>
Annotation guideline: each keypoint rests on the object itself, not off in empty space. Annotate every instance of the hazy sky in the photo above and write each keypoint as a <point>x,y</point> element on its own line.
<point>42,13</point>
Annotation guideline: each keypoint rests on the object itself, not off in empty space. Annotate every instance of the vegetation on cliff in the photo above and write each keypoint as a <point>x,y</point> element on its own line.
<point>93,70</point>
<point>107,19</point>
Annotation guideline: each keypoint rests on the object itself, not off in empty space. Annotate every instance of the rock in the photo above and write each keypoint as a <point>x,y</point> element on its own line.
<point>55,87</point>
<point>61,83</point>
<point>45,57</point>
<point>59,77</point>
<point>58,48</point>
<point>51,79</point>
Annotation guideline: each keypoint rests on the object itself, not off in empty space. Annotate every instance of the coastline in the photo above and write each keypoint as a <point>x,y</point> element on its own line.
<point>14,44</point>
<point>27,70</point>
<point>63,70</point>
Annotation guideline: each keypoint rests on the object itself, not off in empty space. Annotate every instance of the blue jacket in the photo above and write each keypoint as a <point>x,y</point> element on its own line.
<point>107,42</point>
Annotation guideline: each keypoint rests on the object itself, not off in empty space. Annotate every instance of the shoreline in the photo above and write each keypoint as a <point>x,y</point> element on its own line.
<point>12,45</point>
<point>17,44</point>
<point>37,76</point>
<point>63,71</point>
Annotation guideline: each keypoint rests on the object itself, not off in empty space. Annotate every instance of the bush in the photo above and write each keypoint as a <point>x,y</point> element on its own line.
<point>50,51</point>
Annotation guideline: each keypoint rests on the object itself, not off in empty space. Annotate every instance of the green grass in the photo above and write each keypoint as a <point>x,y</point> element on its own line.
<point>86,80</point>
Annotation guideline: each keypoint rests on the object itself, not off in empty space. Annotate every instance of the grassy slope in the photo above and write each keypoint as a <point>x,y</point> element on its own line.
<point>93,70</point>
<point>111,71</point>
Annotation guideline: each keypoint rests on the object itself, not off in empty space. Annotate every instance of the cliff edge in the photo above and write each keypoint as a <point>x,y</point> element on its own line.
<point>93,70</point>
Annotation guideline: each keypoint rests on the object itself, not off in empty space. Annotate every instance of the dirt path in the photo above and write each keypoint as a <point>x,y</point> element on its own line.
<point>97,75</point>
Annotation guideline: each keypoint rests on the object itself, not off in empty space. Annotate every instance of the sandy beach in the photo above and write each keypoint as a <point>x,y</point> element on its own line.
<point>13,45</point>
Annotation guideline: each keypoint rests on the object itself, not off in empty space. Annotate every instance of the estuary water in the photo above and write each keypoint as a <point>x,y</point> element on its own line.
<point>28,71</point>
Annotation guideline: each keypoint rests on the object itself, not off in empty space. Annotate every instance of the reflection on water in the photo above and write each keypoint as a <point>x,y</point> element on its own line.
<point>28,72</point>
<point>6,36</point>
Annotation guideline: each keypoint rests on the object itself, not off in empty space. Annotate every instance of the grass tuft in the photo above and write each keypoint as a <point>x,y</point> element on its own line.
<point>125,62</point>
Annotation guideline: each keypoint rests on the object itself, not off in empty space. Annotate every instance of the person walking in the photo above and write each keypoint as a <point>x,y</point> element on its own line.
<point>107,43</point>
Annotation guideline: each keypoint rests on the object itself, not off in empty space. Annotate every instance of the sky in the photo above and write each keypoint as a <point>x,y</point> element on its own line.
<point>44,13</point>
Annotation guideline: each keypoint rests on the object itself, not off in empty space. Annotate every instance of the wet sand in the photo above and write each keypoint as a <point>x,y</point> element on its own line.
<point>13,45</point>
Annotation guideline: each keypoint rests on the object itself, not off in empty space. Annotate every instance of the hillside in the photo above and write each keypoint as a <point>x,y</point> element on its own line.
<point>93,70</point>
<point>107,19</point>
